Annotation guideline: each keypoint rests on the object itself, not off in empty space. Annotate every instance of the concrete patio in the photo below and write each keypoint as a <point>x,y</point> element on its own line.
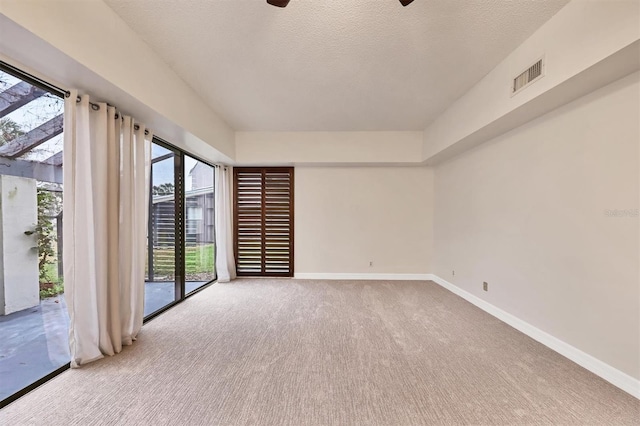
<point>34,341</point>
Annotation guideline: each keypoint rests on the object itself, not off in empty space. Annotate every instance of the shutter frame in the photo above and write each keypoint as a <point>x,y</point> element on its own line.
<point>264,221</point>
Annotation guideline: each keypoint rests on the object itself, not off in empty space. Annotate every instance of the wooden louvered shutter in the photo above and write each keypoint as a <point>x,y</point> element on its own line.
<point>263,221</point>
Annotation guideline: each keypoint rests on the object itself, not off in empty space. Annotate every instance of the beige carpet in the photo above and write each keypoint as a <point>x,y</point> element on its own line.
<point>283,352</point>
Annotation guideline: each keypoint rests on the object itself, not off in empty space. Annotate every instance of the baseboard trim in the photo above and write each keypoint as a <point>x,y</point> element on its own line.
<point>388,277</point>
<point>597,367</point>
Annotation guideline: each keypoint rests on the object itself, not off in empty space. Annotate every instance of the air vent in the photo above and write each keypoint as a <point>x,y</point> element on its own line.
<point>533,73</point>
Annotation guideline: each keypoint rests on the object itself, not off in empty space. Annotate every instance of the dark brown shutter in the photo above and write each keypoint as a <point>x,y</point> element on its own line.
<point>263,219</point>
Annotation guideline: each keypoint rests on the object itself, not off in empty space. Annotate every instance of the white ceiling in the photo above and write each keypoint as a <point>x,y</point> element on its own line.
<point>333,65</point>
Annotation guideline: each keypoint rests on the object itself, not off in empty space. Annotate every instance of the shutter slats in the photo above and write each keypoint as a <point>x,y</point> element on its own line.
<point>264,221</point>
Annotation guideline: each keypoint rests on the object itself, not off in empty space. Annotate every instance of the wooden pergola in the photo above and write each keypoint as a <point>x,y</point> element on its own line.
<point>48,170</point>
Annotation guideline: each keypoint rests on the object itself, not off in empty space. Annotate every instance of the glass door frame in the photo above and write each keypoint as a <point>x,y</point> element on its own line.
<point>180,224</point>
<point>17,72</point>
<point>179,288</point>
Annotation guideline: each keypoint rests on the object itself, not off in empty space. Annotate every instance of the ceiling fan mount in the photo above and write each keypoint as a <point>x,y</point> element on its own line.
<point>284,3</point>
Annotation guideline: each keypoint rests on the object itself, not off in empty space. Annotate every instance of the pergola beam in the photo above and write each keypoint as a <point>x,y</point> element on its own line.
<point>31,169</point>
<point>33,138</point>
<point>18,95</point>
<point>55,159</point>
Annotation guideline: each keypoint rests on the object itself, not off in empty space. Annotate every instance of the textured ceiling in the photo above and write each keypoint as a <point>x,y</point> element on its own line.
<point>333,64</point>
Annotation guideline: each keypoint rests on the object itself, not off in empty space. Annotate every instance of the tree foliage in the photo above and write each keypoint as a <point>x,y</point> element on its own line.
<point>9,130</point>
<point>49,204</point>
<point>163,189</point>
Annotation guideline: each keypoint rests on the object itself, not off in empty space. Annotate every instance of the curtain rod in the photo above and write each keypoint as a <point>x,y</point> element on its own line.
<point>31,79</point>
<point>45,85</point>
<point>96,107</point>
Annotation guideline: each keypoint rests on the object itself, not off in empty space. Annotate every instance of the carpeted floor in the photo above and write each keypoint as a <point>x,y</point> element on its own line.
<point>286,352</point>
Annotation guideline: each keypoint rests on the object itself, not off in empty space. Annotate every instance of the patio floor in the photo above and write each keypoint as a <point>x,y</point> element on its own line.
<point>34,341</point>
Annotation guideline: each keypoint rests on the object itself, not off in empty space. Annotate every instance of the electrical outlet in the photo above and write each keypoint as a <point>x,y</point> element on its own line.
<point>453,273</point>
<point>371,263</point>
<point>485,286</point>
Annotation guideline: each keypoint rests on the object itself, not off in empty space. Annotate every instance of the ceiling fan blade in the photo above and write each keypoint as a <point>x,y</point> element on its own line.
<point>405,2</point>
<point>278,3</point>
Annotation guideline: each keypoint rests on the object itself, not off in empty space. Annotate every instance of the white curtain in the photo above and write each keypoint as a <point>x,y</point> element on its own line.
<point>107,160</point>
<point>225,263</point>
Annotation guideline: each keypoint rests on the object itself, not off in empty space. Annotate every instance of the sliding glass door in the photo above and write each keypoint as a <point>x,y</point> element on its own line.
<point>181,233</point>
<point>199,224</point>
<point>34,323</point>
<point>161,234</point>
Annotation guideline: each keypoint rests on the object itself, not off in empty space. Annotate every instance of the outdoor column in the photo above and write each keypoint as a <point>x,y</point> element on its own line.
<point>19,288</point>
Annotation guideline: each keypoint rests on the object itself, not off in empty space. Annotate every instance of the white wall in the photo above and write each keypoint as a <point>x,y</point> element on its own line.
<point>527,212</point>
<point>581,35</point>
<point>346,217</point>
<point>329,147</point>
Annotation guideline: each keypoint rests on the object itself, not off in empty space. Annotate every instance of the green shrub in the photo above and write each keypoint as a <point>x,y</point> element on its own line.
<point>52,291</point>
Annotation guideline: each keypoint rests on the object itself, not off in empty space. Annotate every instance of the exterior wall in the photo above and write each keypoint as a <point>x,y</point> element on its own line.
<point>19,282</point>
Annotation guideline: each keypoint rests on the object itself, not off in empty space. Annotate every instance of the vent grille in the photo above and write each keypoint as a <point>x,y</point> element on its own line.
<point>533,73</point>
